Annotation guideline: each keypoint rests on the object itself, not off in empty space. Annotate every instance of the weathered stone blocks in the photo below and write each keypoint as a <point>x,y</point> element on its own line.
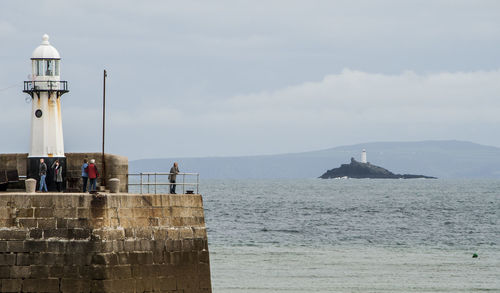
<point>109,243</point>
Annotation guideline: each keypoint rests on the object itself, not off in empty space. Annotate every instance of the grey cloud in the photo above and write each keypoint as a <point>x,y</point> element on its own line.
<point>246,77</point>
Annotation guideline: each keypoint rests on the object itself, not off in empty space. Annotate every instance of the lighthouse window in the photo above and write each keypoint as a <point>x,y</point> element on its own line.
<point>50,68</point>
<point>38,113</point>
<point>40,67</point>
<point>57,67</point>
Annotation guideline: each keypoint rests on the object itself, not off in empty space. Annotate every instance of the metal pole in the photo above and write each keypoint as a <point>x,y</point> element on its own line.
<point>103,180</point>
<point>183,176</point>
<point>198,183</point>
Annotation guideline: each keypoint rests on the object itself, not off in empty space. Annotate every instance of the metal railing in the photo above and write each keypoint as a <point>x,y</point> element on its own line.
<point>150,180</point>
<point>46,85</point>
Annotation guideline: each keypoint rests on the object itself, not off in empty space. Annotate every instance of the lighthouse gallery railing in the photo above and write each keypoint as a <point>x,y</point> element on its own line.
<point>46,85</point>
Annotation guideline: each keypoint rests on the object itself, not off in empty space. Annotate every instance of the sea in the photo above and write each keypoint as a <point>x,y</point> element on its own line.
<point>353,235</point>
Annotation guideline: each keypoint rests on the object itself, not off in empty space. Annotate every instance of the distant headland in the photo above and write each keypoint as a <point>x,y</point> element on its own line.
<point>366,170</point>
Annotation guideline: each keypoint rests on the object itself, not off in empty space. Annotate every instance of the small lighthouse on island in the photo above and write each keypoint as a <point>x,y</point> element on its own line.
<point>45,89</point>
<point>363,157</point>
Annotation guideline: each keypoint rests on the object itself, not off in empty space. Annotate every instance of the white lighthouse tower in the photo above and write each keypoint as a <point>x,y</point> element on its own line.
<point>363,156</point>
<point>45,89</point>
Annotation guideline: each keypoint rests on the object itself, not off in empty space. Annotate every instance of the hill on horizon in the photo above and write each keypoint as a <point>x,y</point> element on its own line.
<point>442,159</point>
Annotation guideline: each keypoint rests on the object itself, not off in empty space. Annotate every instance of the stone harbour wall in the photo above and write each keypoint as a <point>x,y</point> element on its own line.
<point>14,161</point>
<point>74,242</point>
<point>116,166</point>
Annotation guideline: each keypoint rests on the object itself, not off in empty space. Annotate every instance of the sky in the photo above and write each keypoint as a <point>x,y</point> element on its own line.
<point>227,78</point>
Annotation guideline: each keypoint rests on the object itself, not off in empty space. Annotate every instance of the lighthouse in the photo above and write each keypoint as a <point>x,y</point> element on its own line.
<point>363,156</point>
<point>45,89</point>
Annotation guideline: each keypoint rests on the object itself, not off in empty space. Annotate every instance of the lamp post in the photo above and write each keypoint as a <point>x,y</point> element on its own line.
<point>103,180</point>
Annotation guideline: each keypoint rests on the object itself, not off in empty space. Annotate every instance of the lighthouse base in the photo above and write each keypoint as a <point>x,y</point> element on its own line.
<point>33,171</point>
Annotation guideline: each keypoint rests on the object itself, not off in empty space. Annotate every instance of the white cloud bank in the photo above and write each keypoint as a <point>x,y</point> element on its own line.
<point>348,107</point>
<point>451,98</point>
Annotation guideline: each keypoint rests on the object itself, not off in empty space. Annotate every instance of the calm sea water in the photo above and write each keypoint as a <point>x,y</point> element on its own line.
<point>317,235</point>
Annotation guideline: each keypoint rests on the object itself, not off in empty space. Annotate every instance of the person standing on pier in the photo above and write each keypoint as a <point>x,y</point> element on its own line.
<point>42,171</point>
<point>57,174</point>
<point>93,174</point>
<point>173,176</point>
<point>85,175</point>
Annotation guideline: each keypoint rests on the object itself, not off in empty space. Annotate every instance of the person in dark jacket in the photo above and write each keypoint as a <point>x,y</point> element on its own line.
<point>58,179</point>
<point>173,176</point>
<point>93,175</point>
<point>42,171</point>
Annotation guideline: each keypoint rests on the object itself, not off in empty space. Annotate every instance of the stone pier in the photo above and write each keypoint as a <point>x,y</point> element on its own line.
<point>75,242</point>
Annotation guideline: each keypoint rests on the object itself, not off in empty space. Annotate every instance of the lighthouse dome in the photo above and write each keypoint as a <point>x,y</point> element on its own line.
<point>45,50</point>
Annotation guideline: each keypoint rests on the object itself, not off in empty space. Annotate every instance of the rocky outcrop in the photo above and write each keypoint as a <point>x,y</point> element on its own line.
<point>366,170</point>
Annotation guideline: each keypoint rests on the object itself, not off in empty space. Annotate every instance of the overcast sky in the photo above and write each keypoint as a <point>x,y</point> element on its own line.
<point>217,78</point>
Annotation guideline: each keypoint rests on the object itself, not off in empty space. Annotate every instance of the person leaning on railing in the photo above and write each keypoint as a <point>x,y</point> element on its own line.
<point>173,176</point>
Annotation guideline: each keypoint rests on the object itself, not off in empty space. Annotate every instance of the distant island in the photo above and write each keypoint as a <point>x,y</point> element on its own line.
<point>443,159</point>
<point>366,170</point>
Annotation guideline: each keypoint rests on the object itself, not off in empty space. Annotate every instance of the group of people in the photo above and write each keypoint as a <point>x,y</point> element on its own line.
<point>57,175</point>
<point>89,174</point>
<point>89,171</point>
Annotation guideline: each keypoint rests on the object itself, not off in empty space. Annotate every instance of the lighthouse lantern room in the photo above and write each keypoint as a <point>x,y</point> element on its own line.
<point>45,89</point>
